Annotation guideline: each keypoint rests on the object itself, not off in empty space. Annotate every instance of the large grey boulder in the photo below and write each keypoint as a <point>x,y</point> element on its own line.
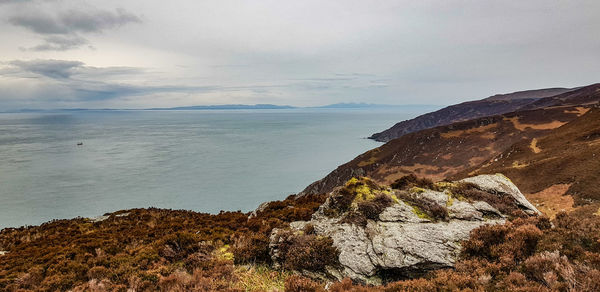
<point>498,183</point>
<point>403,242</point>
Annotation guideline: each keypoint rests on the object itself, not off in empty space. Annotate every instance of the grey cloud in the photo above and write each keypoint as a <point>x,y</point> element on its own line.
<point>63,29</point>
<point>57,69</point>
<point>87,83</point>
<point>59,43</point>
<point>12,1</point>
<point>75,80</point>
<point>72,21</point>
<point>98,20</point>
<point>63,69</point>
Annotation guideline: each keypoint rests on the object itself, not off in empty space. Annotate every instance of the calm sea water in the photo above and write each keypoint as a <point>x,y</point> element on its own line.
<point>197,160</point>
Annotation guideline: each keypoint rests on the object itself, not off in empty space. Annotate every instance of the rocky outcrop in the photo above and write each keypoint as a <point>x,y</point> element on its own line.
<point>500,184</point>
<point>420,230</point>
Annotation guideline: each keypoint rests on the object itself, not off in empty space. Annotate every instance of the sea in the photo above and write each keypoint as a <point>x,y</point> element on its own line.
<point>66,164</point>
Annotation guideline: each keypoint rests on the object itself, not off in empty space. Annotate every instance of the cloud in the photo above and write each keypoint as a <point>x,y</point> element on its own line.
<point>73,21</point>
<point>59,43</point>
<point>56,69</point>
<point>65,80</point>
<point>73,83</point>
<point>300,53</point>
<point>63,29</point>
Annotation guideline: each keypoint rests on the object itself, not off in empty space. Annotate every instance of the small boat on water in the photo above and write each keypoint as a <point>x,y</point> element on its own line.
<point>79,143</point>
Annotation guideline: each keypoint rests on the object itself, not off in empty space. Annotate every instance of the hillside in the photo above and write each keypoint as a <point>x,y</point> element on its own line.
<point>581,96</point>
<point>493,105</point>
<point>445,151</point>
<point>371,225</point>
<point>476,233</point>
<point>565,163</point>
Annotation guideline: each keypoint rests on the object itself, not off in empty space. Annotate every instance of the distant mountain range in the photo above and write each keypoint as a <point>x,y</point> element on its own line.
<point>246,107</point>
<point>227,107</point>
<point>371,105</point>
<point>273,106</point>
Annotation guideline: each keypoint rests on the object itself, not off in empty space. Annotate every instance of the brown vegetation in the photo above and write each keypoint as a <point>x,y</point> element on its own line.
<point>502,202</point>
<point>149,249</point>
<point>432,209</point>
<point>522,255</point>
<point>446,151</point>
<point>306,251</point>
<point>411,180</point>
<point>371,209</point>
<point>569,155</point>
<point>553,200</point>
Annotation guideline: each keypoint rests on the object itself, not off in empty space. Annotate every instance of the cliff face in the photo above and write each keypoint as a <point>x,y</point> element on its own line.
<point>493,105</point>
<point>446,151</point>
<point>409,231</point>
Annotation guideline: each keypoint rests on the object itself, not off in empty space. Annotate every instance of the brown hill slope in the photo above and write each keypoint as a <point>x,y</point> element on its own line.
<point>447,150</point>
<point>568,156</point>
<point>493,105</point>
<point>584,95</point>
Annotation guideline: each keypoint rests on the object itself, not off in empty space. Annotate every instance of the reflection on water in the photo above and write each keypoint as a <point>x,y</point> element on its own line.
<point>199,160</point>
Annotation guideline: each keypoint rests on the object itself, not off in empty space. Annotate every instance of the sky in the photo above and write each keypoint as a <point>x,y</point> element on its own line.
<point>146,53</point>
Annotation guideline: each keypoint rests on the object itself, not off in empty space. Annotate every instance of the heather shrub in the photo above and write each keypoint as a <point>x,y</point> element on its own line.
<point>251,248</point>
<point>177,246</point>
<point>343,285</point>
<point>551,269</point>
<point>409,181</point>
<point>431,209</point>
<point>339,202</point>
<point>98,272</point>
<point>509,243</point>
<point>297,283</point>
<point>306,252</point>
<point>309,229</point>
<point>372,208</point>
<point>311,252</point>
<point>199,259</point>
<point>504,203</point>
<point>354,217</point>
<point>574,236</point>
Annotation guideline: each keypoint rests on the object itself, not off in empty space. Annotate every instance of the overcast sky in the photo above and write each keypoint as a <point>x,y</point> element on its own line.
<point>142,53</point>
